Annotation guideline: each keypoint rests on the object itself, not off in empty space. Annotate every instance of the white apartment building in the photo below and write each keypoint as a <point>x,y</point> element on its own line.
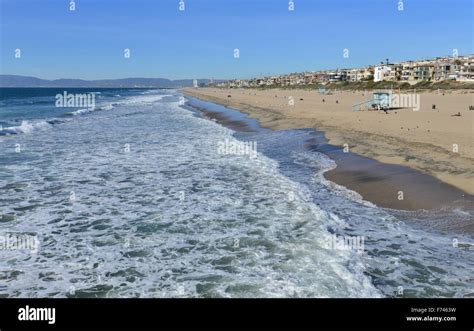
<point>381,72</point>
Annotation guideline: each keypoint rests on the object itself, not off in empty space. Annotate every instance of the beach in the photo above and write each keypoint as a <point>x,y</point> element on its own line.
<point>433,141</point>
<point>140,187</point>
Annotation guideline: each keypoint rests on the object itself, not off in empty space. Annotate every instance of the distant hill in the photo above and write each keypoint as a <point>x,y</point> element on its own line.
<point>26,81</point>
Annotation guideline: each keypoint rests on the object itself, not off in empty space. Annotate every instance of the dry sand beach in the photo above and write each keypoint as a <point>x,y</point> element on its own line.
<point>421,139</point>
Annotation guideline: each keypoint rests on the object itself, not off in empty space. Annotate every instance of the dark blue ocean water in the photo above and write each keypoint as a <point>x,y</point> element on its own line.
<point>37,106</point>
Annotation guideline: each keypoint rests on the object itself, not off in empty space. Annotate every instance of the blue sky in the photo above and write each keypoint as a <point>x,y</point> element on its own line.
<point>88,43</point>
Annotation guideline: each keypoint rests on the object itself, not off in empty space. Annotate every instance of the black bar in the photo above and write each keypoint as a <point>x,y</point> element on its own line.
<point>291,314</point>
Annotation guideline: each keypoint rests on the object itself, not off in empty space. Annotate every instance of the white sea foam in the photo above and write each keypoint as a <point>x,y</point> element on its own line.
<point>324,164</point>
<point>82,111</point>
<point>143,99</point>
<point>108,106</point>
<point>25,127</point>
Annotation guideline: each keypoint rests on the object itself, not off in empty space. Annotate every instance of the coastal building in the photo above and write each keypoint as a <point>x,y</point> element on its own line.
<point>466,70</point>
<point>442,70</point>
<point>396,72</point>
<point>355,75</point>
<point>423,71</point>
<point>407,71</point>
<point>437,69</point>
<point>382,72</point>
<point>338,75</point>
<point>310,78</point>
<point>368,73</point>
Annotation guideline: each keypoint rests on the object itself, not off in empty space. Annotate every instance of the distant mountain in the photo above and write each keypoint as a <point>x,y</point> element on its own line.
<point>25,81</point>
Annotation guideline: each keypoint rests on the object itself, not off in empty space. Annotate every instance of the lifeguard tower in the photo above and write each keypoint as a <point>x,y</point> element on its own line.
<point>381,100</point>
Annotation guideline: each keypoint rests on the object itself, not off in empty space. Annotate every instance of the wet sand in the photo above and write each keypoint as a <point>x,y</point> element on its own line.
<point>386,185</point>
<point>223,119</point>
<point>422,140</point>
<point>390,185</point>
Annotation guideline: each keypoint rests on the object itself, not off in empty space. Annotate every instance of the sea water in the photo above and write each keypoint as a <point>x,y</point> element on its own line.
<point>133,199</point>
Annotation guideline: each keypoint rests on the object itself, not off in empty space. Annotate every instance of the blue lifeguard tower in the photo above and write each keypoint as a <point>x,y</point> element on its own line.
<point>381,100</point>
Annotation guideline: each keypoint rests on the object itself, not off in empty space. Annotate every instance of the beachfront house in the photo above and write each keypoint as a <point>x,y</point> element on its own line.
<point>352,75</point>
<point>338,75</point>
<point>382,72</point>
<point>396,72</point>
<point>368,73</point>
<point>407,71</point>
<point>466,72</point>
<point>442,70</point>
<point>356,75</point>
<point>423,71</point>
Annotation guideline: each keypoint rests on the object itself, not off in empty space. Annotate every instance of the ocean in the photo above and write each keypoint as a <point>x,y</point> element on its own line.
<point>143,196</point>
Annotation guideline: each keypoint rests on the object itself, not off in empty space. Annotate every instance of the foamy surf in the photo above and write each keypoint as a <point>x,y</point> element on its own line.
<point>25,127</point>
<point>172,246</point>
<point>137,202</point>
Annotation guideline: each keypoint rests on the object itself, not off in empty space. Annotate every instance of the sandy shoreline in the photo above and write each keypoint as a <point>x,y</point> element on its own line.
<point>422,139</point>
